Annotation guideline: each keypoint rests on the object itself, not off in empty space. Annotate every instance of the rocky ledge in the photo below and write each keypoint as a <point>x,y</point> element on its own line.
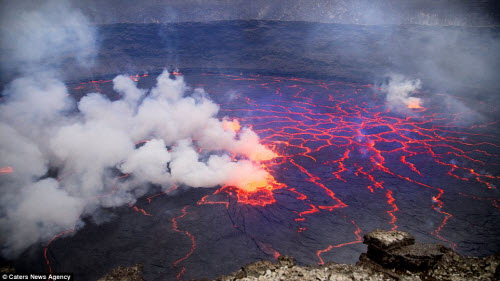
<point>132,273</point>
<point>391,255</point>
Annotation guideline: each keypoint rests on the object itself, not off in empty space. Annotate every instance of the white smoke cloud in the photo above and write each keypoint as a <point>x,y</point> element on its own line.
<point>42,209</point>
<point>149,162</point>
<point>49,33</point>
<point>398,92</point>
<point>90,142</point>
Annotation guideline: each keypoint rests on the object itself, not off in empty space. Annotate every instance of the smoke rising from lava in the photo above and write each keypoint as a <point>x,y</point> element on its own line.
<point>88,143</point>
<point>398,91</point>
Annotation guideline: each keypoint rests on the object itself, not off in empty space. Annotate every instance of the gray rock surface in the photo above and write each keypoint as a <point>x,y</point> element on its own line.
<point>397,249</point>
<point>286,269</point>
<point>388,239</point>
<point>132,273</point>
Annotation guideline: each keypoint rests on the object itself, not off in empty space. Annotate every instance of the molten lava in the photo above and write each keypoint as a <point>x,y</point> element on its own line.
<point>257,193</point>
<point>233,125</point>
<point>252,185</point>
<point>414,103</point>
<point>6,170</point>
<point>262,155</point>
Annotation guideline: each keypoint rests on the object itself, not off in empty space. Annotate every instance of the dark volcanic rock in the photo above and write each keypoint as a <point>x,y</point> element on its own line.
<point>260,268</point>
<point>418,256</point>
<point>425,261</point>
<point>388,239</point>
<point>397,249</point>
<point>286,269</point>
<point>132,273</point>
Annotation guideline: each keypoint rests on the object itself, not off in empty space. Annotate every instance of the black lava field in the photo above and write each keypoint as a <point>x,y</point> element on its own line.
<point>347,164</point>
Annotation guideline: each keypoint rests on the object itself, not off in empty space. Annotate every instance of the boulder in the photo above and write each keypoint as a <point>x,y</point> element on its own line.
<point>397,249</point>
<point>387,240</point>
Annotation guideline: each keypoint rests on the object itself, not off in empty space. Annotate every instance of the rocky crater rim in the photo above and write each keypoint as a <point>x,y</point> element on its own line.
<point>391,255</point>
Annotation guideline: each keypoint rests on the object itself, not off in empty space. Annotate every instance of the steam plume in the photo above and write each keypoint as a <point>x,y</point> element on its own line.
<point>399,90</point>
<point>91,141</point>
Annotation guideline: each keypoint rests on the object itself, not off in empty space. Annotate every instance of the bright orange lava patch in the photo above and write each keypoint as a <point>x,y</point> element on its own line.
<point>414,103</point>
<point>255,184</point>
<point>6,170</point>
<point>260,196</point>
<point>233,125</point>
<point>263,155</point>
<point>258,192</point>
<point>255,191</point>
